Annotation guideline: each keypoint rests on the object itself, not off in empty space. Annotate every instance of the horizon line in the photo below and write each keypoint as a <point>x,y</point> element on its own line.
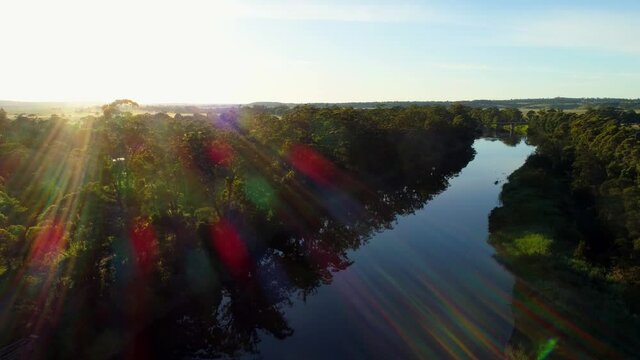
<point>93,102</point>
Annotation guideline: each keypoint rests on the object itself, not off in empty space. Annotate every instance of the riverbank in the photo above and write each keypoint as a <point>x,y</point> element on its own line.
<point>563,304</point>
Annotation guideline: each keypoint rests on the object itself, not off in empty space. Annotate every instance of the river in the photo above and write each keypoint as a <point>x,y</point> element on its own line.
<point>429,287</point>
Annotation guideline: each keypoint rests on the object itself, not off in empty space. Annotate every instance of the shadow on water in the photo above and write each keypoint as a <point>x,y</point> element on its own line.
<point>229,282</point>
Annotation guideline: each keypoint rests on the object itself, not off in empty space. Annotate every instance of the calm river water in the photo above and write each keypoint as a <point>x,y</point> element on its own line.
<point>429,287</point>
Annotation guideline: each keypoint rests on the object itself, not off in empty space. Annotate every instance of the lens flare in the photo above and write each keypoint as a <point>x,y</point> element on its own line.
<point>48,244</point>
<point>230,248</point>
<point>547,349</point>
<point>312,164</point>
<point>144,245</point>
<point>260,192</point>
<point>221,153</point>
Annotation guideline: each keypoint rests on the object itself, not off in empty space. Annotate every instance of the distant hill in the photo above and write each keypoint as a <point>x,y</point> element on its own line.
<point>542,103</point>
<point>81,109</point>
<point>69,109</point>
<point>44,104</point>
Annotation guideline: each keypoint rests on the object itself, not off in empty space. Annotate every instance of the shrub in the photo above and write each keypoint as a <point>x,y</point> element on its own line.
<point>532,244</point>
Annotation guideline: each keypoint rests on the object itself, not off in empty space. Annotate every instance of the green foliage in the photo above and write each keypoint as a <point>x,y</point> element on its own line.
<point>532,244</point>
<point>599,151</point>
<point>3,120</point>
<point>119,211</point>
<point>567,228</point>
<point>110,109</point>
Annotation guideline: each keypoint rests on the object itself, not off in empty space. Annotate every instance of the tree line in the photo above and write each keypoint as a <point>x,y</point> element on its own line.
<point>568,227</point>
<point>209,221</point>
<point>599,151</point>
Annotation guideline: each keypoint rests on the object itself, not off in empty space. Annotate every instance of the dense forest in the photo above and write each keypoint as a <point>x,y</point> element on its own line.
<point>192,232</point>
<point>569,104</point>
<point>189,234</point>
<point>77,110</point>
<point>569,227</point>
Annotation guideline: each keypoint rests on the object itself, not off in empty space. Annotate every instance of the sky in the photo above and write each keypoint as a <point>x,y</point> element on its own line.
<point>225,51</point>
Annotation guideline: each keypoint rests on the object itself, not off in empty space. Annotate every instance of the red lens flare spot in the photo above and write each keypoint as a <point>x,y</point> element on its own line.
<point>144,243</point>
<point>48,243</point>
<point>230,248</point>
<point>312,164</point>
<point>221,153</point>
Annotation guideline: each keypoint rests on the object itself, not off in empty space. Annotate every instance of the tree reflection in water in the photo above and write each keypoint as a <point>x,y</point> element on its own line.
<point>151,282</point>
<point>303,253</point>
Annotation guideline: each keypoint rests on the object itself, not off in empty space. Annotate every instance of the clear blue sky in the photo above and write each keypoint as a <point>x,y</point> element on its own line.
<point>307,51</point>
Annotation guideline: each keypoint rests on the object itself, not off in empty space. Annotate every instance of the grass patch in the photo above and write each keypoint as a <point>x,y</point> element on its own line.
<point>532,245</point>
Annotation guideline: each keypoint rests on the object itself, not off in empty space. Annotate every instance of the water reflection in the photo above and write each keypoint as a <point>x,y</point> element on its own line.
<point>321,224</point>
<point>225,288</point>
<point>427,288</point>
